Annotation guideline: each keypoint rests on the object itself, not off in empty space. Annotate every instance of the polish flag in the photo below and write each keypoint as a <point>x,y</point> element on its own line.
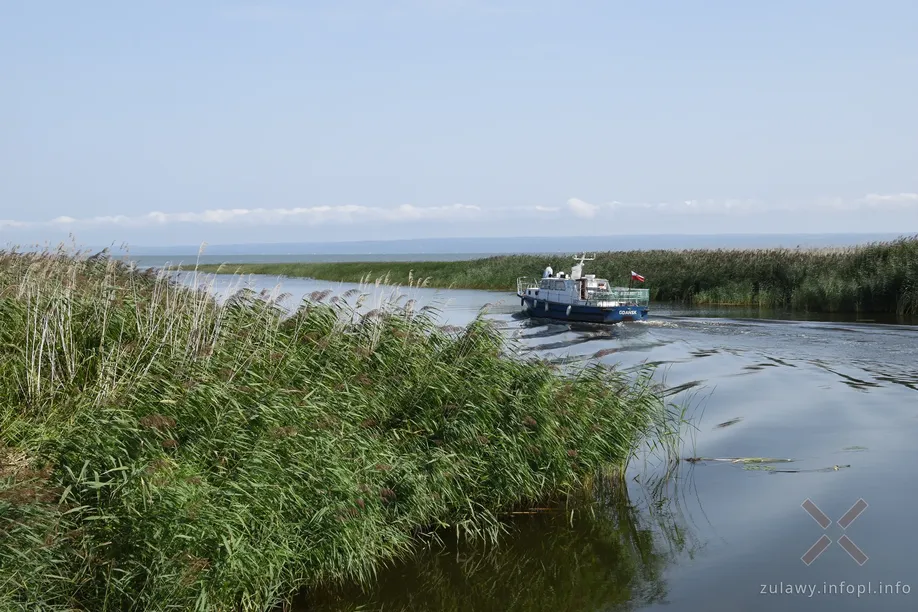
<point>637,277</point>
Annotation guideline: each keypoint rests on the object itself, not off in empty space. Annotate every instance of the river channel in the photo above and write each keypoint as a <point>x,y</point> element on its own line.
<point>837,397</point>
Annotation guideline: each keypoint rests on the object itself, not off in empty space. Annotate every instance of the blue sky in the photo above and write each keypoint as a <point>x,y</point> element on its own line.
<point>176,122</point>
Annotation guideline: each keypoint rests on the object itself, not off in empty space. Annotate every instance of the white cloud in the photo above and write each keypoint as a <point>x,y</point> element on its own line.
<point>710,206</point>
<point>897,197</point>
<point>356,214</point>
<point>582,209</point>
<point>733,206</point>
<point>314,215</point>
<point>10,223</point>
<point>898,200</point>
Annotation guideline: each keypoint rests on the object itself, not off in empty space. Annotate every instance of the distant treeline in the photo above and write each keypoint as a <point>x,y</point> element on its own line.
<point>873,278</point>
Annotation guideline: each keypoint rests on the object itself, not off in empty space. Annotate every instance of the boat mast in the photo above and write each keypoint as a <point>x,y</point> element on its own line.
<point>577,269</point>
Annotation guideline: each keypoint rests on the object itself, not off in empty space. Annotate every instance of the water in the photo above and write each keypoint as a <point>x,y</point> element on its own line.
<point>186,261</point>
<point>826,394</point>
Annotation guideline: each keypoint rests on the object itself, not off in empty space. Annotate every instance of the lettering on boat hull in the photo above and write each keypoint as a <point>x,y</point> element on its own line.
<point>585,314</point>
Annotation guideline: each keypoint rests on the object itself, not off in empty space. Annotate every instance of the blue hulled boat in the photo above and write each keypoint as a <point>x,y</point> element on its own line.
<point>582,298</point>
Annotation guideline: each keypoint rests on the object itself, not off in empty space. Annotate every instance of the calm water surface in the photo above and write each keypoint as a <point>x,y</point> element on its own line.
<point>827,394</point>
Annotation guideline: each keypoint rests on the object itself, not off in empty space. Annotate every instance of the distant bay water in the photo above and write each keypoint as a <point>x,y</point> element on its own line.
<point>457,249</point>
<point>186,260</point>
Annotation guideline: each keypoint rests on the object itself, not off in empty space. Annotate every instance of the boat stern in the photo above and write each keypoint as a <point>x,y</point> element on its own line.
<point>627,314</point>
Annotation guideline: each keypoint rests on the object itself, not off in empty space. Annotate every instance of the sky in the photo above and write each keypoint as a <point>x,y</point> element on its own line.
<point>177,122</point>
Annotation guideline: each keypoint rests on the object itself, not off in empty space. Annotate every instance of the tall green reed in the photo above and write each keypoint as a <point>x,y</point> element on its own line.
<point>162,449</point>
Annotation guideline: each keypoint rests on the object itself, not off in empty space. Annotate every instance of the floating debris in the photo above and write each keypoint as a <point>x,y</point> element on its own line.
<point>761,464</point>
<point>728,423</point>
<point>682,387</point>
<point>744,460</point>
<point>834,468</point>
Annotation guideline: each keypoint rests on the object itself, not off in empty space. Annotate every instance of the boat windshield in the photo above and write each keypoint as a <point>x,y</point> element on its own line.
<point>555,284</point>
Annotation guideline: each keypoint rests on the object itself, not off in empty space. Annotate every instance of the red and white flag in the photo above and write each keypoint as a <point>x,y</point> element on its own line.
<point>637,277</point>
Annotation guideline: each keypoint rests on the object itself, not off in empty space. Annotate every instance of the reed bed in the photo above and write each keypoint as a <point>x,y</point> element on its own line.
<point>162,450</point>
<point>872,278</point>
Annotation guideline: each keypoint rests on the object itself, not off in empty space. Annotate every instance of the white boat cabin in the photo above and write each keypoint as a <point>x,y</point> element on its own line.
<point>585,288</point>
<point>580,290</point>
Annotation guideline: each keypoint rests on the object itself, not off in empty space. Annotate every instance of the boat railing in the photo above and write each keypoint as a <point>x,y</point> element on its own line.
<point>616,296</point>
<point>640,297</point>
<point>524,283</point>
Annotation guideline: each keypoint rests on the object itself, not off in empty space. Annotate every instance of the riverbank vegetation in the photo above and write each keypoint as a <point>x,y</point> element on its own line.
<point>160,449</point>
<point>613,555</point>
<point>873,278</point>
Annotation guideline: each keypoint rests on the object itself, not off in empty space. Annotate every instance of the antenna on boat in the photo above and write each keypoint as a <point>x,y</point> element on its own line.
<point>577,269</point>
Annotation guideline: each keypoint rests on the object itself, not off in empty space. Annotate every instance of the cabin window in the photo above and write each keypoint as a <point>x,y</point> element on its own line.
<point>545,284</point>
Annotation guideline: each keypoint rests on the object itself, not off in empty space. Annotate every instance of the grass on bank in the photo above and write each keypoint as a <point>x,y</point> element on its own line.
<point>874,278</point>
<point>163,451</point>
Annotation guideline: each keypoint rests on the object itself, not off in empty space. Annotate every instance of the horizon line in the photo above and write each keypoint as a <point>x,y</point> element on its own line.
<point>206,244</point>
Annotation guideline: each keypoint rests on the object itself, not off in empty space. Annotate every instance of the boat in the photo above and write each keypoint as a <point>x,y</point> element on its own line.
<point>582,297</point>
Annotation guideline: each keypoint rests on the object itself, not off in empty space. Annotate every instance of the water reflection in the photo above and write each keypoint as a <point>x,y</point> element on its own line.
<point>608,552</point>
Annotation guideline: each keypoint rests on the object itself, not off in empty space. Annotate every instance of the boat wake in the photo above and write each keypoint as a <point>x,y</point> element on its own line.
<point>656,323</point>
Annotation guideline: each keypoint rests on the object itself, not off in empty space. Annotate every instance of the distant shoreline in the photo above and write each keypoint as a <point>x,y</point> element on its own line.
<point>465,249</point>
<point>439,247</point>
